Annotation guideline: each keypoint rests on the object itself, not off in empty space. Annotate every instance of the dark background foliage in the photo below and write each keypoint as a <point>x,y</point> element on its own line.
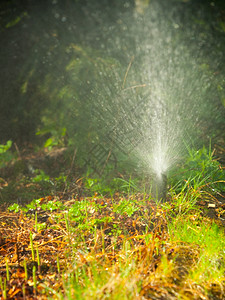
<point>52,53</point>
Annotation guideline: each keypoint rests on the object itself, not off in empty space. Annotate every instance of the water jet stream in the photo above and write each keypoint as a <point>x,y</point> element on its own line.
<point>159,188</point>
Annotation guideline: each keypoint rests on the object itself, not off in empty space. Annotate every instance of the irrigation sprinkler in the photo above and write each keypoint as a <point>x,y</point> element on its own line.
<point>159,188</point>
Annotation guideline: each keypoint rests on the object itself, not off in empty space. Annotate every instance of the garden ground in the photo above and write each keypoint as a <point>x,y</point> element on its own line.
<point>74,243</point>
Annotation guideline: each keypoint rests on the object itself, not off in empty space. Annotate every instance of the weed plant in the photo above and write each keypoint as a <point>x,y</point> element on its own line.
<point>6,155</point>
<point>201,172</point>
<point>106,185</point>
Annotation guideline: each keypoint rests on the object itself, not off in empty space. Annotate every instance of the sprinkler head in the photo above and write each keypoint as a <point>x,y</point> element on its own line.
<point>159,187</point>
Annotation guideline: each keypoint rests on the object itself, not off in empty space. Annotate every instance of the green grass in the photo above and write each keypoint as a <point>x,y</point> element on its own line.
<point>208,237</point>
<point>111,251</point>
<point>118,246</point>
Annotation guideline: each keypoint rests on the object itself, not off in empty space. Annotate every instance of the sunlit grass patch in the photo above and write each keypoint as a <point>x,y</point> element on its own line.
<point>208,239</point>
<point>113,273</point>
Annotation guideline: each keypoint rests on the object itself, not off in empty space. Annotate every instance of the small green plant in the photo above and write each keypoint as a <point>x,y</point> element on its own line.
<point>41,176</point>
<point>103,220</point>
<point>4,148</point>
<point>25,269</point>
<point>96,185</point>
<point>14,207</point>
<point>7,271</point>
<point>32,206</point>
<point>115,231</point>
<point>57,136</point>
<point>126,207</point>
<point>78,216</point>
<point>58,265</point>
<point>32,246</point>
<point>183,201</point>
<point>107,185</point>
<point>38,259</point>
<point>35,204</point>
<point>5,154</point>
<point>34,279</point>
<point>3,287</point>
<point>128,186</point>
<point>53,205</point>
<point>5,290</point>
<point>200,170</point>
<point>78,209</point>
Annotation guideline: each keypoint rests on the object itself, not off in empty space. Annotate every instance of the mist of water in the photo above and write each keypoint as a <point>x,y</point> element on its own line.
<point>158,104</point>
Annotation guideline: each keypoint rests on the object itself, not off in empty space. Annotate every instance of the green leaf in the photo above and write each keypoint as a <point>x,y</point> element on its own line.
<point>14,207</point>
<point>4,148</point>
<point>16,20</point>
<point>48,143</point>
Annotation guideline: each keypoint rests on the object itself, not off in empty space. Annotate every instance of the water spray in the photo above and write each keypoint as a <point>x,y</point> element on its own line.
<point>139,103</point>
<point>159,187</point>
